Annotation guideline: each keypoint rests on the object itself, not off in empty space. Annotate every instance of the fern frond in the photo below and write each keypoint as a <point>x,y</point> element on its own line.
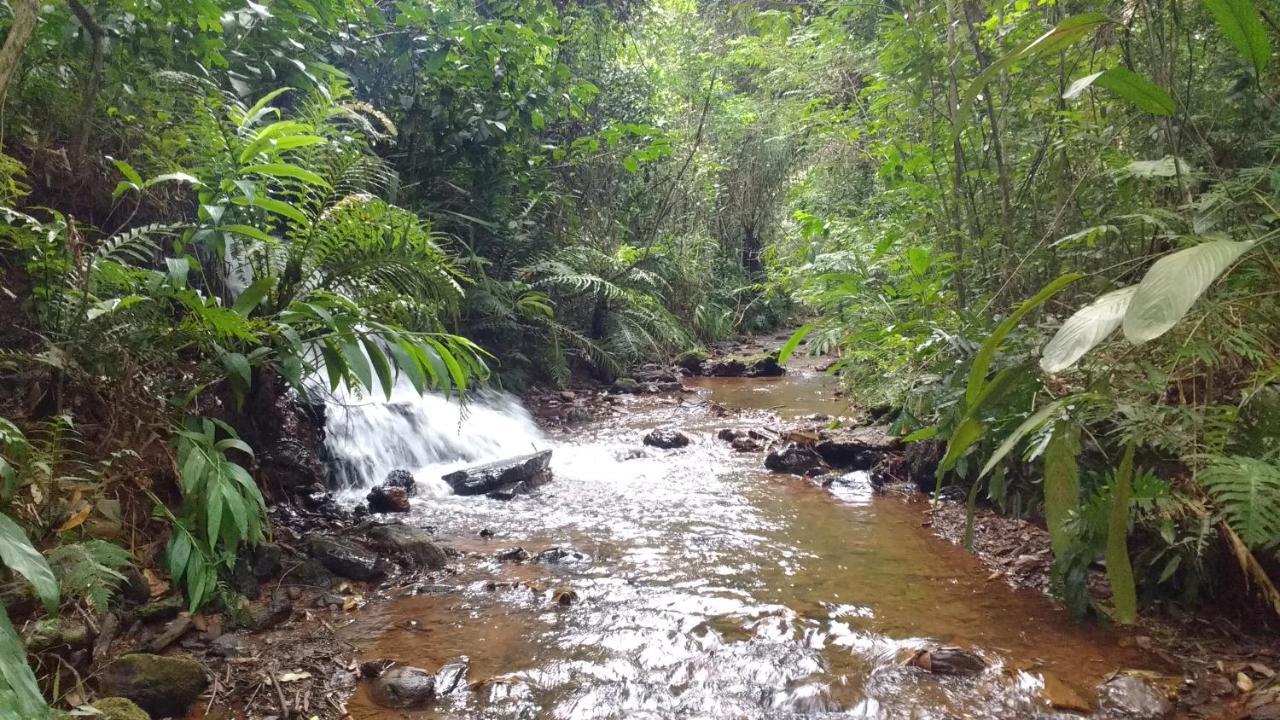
<point>1247,491</point>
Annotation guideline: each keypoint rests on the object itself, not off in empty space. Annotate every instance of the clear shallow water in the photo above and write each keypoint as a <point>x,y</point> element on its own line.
<point>717,590</point>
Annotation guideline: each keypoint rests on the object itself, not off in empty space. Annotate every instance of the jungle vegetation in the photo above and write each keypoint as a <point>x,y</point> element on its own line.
<point>1043,231</point>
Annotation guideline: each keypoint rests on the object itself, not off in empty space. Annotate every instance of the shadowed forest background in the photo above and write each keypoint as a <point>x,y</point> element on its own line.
<point>1040,235</point>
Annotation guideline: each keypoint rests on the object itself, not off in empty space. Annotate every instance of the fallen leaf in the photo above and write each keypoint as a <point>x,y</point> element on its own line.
<point>77,519</point>
<point>1244,682</point>
<point>158,585</point>
<point>1262,670</point>
<point>351,602</point>
<point>294,676</point>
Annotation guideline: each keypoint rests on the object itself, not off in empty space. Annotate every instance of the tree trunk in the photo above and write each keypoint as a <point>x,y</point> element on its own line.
<point>25,13</point>
<point>89,94</point>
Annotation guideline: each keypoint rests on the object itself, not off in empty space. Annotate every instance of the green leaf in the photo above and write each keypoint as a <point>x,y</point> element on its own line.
<point>213,507</point>
<point>357,362</point>
<point>961,439</point>
<point>286,170</point>
<point>19,555</point>
<point>281,208</point>
<point>1167,166</point>
<point>986,353</point>
<point>1172,286</point>
<point>381,367</point>
<point>179,268</point>
<point>793,342</point>
<point>16,675</point>
<point>1084,330</point>
<point>1031,424</point>
<point>255,112</point>
<point>238,370</point>
<point>1124,595</point>
<point>1241,23</point>
<point>1061,484</point>
<point>249,231</point>
<point>252,296</point>
<point>1247,491</point>
<point>1079,86</point>
<point>127,170</point>
<point>1138,90</point>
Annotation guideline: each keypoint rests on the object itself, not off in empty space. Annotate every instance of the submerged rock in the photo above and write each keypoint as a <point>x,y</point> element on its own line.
<point>402,479</point>
<point>532,470</point>
<point>561,556</point>
<point>515,554</point>
<point>452,676</point>
<point>747,444</point>
<point>1132,698</point>
<point>384,499</point>
<point>345,559</point>
<point>794,459</point>
<point>163,686</point>
<point>413,544</point>
<point>666,438</point>
<point>403,687</point>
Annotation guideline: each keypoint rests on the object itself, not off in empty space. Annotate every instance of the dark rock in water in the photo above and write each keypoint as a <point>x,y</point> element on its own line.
<point>1130,697</point>
<point>510,492</point>
<point>515,554</point>
<point>486,533</point>
<point>309,572</point>
<point>410,543</point>
<point>317,498</point>
<point>794,459</point>
<point>403,687</point>
<point>922,458</point>
<point>729,434</point>
<point>858,449</point>
<point>452,676</point>
<point>666,438</point>
<point>760,365</point>
<point>163,686</point>
<point>948,661</point>
<point>118,708</point>
<point>401,479</point>
<point>383,499</point>
<point>533,470</point>
<point>691,361</point>
<point>746,444</point>
<point>565,596</point>
<point>346,560</point>
<point>561,556</point>
<point>370,669</point>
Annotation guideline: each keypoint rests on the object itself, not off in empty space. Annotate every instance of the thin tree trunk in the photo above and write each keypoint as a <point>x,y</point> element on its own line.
<point>89,94</point>
<point>25,13</point>
<point>957,151</point>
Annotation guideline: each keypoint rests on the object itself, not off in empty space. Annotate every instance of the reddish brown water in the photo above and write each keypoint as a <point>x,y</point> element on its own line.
<point>717,590</point>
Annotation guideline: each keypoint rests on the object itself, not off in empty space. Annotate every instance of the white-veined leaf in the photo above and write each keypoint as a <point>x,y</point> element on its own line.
<point>1172,286</point>
<point>1084,330</point>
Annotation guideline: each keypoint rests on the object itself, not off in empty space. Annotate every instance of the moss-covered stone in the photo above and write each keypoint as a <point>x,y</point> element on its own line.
<point>118,708</point>
<point>163,686</point>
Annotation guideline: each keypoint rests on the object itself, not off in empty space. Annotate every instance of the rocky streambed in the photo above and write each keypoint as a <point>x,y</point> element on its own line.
<point>732,545</point>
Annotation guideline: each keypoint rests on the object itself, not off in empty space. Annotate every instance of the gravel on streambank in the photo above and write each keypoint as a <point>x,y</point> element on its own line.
<point>1230,667</point>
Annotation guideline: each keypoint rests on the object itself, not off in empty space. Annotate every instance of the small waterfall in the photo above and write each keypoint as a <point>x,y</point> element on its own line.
<point>428,435</point>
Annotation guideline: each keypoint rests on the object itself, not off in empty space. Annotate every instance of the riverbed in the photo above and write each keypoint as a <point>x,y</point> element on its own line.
<point>711,588</point>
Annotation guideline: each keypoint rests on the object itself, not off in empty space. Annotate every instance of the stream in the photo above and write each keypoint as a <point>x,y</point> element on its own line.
<point>713,588</point>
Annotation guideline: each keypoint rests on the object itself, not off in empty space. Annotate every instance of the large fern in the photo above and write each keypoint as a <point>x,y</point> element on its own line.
<point>90,570</point>
<point>1247,491</point>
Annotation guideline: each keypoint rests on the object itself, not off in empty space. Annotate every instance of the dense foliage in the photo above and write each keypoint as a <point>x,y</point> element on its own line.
<point>1043,231</point>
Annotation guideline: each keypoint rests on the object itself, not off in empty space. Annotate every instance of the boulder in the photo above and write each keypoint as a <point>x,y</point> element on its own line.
<point>763,364</point>
<point>384,499</point>
<point>452,676</point>
<point>161,685</point>
<point>118,708</point>
<point>730,434</point>
<point>746,444</point>
<point>401,479</point>
<point>948,661</point>
<point>414,545</point>
<point>344,559</point>
<point>561,556</point>
<point>794,459</point>
<point>691,361</point>
<point>264,616</point>
<point>1132,698</point>
<point>858,449</point>
<point>515,554</point>
<point>403,687</point>
<point>532,469</point>
<point>666,438</point>
<point>922,458</point>
<point>626,385</point>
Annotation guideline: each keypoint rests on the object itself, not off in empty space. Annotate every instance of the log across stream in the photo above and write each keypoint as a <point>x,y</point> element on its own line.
<point>701,585</point>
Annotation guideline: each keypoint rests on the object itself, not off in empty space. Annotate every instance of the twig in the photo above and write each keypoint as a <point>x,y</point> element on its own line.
<point>284,704</point>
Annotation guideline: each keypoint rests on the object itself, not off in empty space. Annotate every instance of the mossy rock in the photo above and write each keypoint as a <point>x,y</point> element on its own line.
<point>626,385</point>
<point>118,708</point>
<point>163,686</point>
<point>692,360</point>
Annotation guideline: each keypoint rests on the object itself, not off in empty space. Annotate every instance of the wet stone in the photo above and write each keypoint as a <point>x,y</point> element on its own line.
<point>729,434</point>
<point>344,559</point>
<point>413,545</point>
<point>515,554</point>
<point>163,686</point>
<point>403,687</point>
<point>532,469</point>
<point>452,676</point>
<point>401,478</point>
<point>794,459</point>
<point>948,661</point>
<point>1132,698</point>
<point>666,438</point>
<point>383,499</point>
<point>561,556</point>
<point>747,444</point>
<point>565,597</point>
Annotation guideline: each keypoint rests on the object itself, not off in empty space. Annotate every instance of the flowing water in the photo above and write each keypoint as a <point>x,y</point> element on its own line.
<point>713,589</point>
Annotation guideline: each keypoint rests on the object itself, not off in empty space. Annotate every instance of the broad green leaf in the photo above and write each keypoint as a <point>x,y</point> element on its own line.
<point>793,342</point>
<point>961,439</point>
<point>357,362</point>
<point>1031,424</point>
<point>986,353</point>
<point>286,170</point>
<point>237,367</point>
<point>1061,483</point>
<point>1138,90</point>
<point>16,675</point>
<point>127,170</point>
<point>1084,330</point>
<point>213,506</point>
<point>19,555</point>
<point>1079,86</point>
<point>1241,23</point>
<point>1173,284</point>
<point>381,368</point>
<point>281,208</point>
<point>248,231</point>
<point>253,113</point>
<point>252,296</point>
<point>178,268</point>
<point>1124,595</point>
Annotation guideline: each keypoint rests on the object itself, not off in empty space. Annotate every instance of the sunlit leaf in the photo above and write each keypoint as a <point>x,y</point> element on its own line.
<point>1173,284</point>
<point>1084,330</point>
